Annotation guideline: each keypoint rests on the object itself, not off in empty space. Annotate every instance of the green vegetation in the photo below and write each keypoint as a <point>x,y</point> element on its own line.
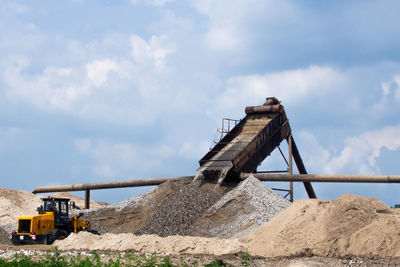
<point>246,259</point>
<point>54,258</point>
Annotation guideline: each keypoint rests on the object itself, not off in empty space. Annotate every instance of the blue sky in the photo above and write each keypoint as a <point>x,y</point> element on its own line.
<point>95,91</point>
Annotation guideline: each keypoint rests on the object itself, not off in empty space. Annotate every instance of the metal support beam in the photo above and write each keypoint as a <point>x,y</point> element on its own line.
<point>290,168</point>
<point>87,199</point>
<point>324,178</point>
<point>301,168</point>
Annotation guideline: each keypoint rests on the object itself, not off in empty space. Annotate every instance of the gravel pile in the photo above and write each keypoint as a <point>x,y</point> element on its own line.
<point>176,213</point>
<point>241,210</point>
<point>192,209</point>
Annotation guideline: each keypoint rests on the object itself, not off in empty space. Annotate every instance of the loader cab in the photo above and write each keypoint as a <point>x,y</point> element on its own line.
<point>60,208</point>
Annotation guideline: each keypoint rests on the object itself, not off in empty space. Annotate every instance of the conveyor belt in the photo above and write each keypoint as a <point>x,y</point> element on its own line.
<point>248,144</point>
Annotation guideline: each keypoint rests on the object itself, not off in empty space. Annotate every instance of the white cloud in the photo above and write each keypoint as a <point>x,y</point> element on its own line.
<point>224,38</point>
<point>390,97</point>
<point>314,155</point>
<point>232,22</point>
<point>16,7</point>
<point>194,151</point>
<point>225,33</point>
<point>290,86</point>
<point>7,134</point>
<point>132,90</point>
<point>152,2</point>
<point>358,156</point>
<point>98,70</point>
<point>385,89</point>
<point>54,88</point>
<point>154,51</point>
<point>396,80</point>
<point>116,159</point>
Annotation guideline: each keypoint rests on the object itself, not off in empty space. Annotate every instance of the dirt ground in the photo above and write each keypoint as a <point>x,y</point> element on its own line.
<point>348,231</point>
<point>234,259</point>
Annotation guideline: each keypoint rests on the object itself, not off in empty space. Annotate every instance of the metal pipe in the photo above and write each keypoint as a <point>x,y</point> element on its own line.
<point>334,178</point>
<point>264,109</point>
<point>260,176</point>
<point>105,185</point>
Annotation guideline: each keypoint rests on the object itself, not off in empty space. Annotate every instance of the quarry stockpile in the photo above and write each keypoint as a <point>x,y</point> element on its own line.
<point>180,207</point>
<point>240,211</point>
<point>184,208</point>
<point>348,225</point>
<point>170,209</point>
<point>15,203</point>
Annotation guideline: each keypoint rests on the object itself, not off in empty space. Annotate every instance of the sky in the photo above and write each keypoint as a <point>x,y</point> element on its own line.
<point>101,90</point>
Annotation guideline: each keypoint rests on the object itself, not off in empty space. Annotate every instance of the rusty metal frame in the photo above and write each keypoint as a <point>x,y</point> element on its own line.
<point>226,126</point>
<point>289,170</point>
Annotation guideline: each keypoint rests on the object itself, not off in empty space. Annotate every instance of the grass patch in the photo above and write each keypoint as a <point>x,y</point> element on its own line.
<point>55,258</point>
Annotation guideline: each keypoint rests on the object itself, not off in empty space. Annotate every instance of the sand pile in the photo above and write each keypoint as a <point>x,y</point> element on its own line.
<point>125,217</point>
<point>347,225</point>
<point>15,203</point>
<point>151,243</point>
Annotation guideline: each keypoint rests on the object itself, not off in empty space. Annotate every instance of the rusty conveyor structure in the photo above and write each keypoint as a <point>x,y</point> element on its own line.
<point>249,143</point>
<point>237,155</point>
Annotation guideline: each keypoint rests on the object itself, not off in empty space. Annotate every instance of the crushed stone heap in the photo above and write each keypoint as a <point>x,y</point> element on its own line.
<point>170,209</point>
<point>241,210</point>
<point>185,208</point>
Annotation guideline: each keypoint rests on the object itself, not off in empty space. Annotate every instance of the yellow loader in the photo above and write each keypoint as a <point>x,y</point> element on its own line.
<point>52,222</point>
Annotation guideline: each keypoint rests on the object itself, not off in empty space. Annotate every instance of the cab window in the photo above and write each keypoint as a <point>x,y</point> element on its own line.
<point>63,207</point>
<point>50,205</point>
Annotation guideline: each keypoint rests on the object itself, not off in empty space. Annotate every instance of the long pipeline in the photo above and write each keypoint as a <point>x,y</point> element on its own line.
<point>262,177</point>
<point>105,185</point>
<point>334,178</point>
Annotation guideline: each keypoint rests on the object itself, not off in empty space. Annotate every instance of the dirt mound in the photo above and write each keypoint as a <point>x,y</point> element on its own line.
<point>241,210</point>
<point>125,217</point>
<point>15,203</point>
<point>151,243</point>
<point>348,225</point>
